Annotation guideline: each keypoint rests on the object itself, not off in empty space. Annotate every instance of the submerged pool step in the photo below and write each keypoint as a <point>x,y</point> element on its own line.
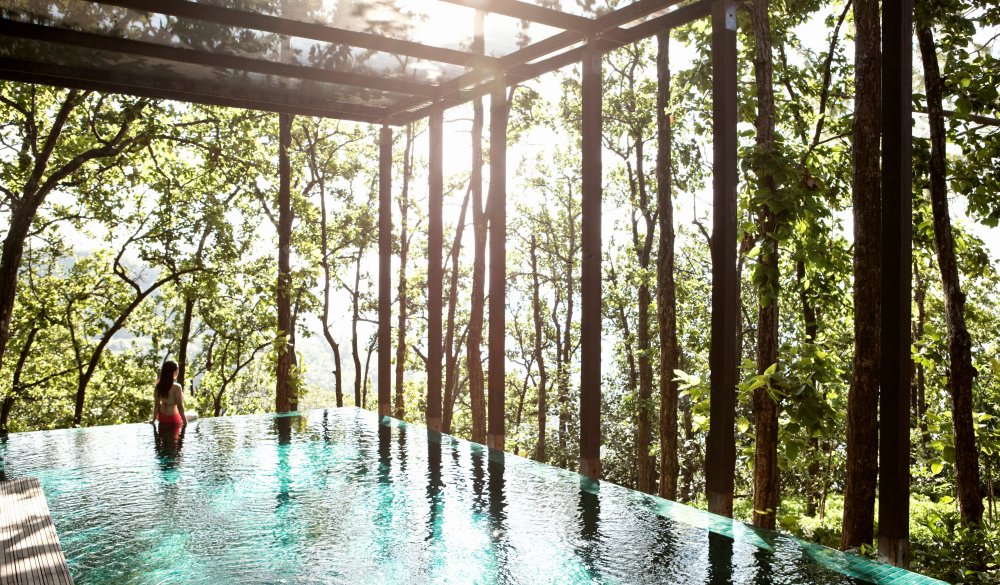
<point>29,546</point>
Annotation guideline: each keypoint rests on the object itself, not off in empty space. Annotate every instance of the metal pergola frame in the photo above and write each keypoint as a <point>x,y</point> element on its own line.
<point>582,40</point>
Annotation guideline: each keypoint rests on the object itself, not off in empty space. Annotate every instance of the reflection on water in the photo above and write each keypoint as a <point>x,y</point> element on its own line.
<point>334,497</point>
<point>168,441</point>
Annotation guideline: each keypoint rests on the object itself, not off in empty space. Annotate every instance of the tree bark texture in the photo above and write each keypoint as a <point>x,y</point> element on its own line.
<point>666,288</point>
<point>479,229</point>
<point>182,354</point>
<point>404,250</point>
<point>355,317</point>
<point>862,401</point>
<point>765,405</point>
<point>452,343</point>
<point>642,246</point>
<point>285,392</point>
<point>536,314</point>
<point>961,371</point>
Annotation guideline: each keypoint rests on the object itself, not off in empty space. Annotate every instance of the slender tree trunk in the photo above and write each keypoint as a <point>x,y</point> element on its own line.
<point>765,406</point>
<point>364,386</point>
<point>862,401</point>
<point>355,316</point>
<point>479,228</point>
<point>451,347</point>
<point>404,250</point>
<point>285,391</point>
<point>643,246</point>
<point>16,386</point>
<point>182,355</point>
<point>536,314</point>
<point>666,288</point>
<point>566,350</point>
<point>961,370</point>
<point>324,250</point>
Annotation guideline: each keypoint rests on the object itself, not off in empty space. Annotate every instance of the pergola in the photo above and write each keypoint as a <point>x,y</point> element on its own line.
<point>392,62</point>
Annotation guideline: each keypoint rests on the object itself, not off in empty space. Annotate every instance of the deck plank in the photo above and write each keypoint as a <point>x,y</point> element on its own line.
<point>30,553</point>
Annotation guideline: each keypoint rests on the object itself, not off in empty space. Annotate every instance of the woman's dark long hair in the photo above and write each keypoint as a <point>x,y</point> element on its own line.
<point>166,380</point>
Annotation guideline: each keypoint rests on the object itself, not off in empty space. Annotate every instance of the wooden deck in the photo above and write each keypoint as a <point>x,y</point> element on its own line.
<point>29,547</point>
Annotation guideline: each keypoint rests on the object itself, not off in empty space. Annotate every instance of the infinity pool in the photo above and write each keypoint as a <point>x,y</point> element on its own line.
<point>333,496</point>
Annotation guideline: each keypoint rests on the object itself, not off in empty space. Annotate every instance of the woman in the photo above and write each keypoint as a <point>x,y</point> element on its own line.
<point>168,402</point>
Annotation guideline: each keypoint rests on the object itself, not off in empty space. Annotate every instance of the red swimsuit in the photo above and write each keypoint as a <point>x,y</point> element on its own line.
<point>169,420</point>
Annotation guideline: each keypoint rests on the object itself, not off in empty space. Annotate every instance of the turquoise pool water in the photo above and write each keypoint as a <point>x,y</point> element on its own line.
<point>333,496</point>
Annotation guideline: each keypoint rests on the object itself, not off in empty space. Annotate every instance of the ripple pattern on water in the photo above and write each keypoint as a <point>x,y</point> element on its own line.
<point>332,496</point>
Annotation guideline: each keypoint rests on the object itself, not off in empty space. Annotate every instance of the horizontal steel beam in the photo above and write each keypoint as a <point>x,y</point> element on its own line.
<point>182,90</point>
<point>525,71</point>
<point>605,30</point>
<point>181,55</point>
<point>306,30</point>
<point>530,12</point>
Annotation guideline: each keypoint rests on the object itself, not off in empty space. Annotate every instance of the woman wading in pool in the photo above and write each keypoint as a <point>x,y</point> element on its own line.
<point>169,398</point>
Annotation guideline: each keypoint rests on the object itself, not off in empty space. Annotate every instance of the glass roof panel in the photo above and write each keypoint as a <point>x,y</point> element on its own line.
<point>187,78</point>
<point>116,22</point>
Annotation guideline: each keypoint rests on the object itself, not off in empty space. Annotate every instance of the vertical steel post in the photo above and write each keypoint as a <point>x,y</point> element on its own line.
<point>384,267</point>
<point>897,239</point>
<point>497,211</point>
<point>434,270</point>
<point>590,281</point>
<point>720,456</point>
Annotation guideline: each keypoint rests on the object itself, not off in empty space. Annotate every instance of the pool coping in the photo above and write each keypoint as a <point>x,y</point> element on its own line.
<point>849,564</point>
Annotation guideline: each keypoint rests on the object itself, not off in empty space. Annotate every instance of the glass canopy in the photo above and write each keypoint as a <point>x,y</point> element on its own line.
<point>370,60</point>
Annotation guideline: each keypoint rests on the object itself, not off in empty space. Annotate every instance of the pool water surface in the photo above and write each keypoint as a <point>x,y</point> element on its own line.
<point>336,496</point>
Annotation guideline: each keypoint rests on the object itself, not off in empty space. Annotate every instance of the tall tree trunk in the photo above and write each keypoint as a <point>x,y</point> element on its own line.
<point>536,314</point>
<point>765,406</point>
<point>404,250</point>
<point>285,391</point>
<point>961,370</point>
<point>324,250</point>
<point>452,346</point>
<point>182,354</point>
<point>355,317</point>
<point>862,401</point>
<point>565,346</point>
<point>479,228</point>
<point>644,245</point>
<point>666,289</point>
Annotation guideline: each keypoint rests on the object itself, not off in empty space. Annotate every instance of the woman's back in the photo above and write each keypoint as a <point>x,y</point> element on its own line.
<point>168,405</point>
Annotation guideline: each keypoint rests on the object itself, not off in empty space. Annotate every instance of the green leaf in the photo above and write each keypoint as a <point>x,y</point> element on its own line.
<point>936,467</point>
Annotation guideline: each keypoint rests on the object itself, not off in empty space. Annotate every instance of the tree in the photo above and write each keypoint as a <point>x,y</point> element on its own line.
<point>765,398</point>
<point>961,372</point>
<point>474,339</point>
<point>666,288</point>
<point>85,128</point>
<point>285,394</point>
<point>862,402</point>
